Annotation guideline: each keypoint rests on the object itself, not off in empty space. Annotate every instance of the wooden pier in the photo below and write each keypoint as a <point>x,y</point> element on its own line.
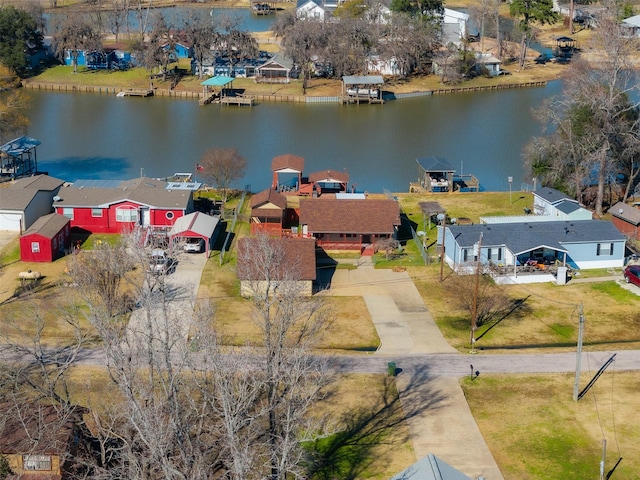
<point>358,99</point>
<point>136,92</point>
<point>237,100</point>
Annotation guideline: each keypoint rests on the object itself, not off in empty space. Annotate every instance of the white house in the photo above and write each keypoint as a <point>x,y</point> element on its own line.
<point>551,202</point>
<point>376,65</point>
<point>26,200</point>
<point>631,26</point>
<point>454,25</point>
<point>310,10</point>
<point>488,61</point>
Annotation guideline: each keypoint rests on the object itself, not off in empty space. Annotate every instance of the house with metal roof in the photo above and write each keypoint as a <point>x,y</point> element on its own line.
<point>117,206</point>
<point>196,225</point>
<point>516,247</point>
<point>430,468</point>
<point>27,199</point>
<point>46,240</point>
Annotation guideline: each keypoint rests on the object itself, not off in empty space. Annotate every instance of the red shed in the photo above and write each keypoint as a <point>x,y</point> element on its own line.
<point>46,240</point>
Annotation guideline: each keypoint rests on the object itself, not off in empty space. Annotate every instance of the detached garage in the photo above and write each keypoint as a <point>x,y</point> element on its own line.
<point>195,225</point>
<point>46,240</point>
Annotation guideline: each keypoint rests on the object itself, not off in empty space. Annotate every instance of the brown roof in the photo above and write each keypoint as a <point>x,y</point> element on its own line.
<point>626,212</point>
<point>297,258</point>
<point>36,429</point>
<point>269,196</point>
<point>329,176</point>
<point>48,225</point>
<point>287,161</point>
<point>16,199</point>
<point>38,182</point>
<point>330,215</point>
<point>143,191</point>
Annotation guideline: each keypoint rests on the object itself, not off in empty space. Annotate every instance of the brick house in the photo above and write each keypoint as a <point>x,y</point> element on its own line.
<point>350,224</point>
<point>40,443</point>
<point>104,206</point>
<point>296,261</point>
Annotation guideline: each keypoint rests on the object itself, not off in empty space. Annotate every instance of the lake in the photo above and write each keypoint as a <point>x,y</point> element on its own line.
<point>103,136</point>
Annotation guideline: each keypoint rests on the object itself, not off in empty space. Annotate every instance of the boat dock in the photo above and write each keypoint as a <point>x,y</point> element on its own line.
<point>360,99</point>
<point>136,92</point>
<point>237,100</point>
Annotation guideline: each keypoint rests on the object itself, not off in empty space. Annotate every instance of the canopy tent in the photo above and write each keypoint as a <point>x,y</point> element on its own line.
<point>217,81</point>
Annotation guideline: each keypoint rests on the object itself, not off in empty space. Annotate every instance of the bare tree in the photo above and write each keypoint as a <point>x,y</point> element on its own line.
<point>74,35</point>
<point>478,295</point>
<point>303,41</point>
<point>13,120</point>
<point>221,166</point>
<point>201,33</point>
<point>595,120</point>
<point>291,324</point>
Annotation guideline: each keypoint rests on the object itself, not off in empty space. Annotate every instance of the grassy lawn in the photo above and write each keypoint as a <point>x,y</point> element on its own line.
<point>537,432</point>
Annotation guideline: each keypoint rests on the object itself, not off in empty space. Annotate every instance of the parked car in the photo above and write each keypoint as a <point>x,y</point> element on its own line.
<point>632,274</point>
<point>194,245</point>
<point>160,262</point>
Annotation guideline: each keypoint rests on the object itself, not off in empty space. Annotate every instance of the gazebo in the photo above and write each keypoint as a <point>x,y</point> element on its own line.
<point>18,157</point>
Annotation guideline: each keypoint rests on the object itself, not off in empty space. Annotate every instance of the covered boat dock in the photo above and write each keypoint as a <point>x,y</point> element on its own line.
<point>362,89</point>
<point>219,89</point>
<point>18,157</point>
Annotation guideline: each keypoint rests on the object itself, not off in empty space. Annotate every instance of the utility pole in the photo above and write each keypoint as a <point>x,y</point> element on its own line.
<point>476,290</point>
<point>576,385</point>
<point>604,454</point>
<point>443,220</point>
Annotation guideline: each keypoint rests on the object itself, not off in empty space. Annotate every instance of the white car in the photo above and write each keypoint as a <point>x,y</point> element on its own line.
<point>194,245</point>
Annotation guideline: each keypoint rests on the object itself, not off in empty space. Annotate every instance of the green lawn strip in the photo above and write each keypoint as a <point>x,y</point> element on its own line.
<point>536,431</point>
<point>10,253</point>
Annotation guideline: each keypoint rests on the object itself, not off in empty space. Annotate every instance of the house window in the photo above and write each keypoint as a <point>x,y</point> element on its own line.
<point>126,215</point>
<point>169,215</point>
<point>489,253</point>
<point>96,212</point>
<point>499,254</point>
<point>604,249</point>
<point>55,243</point>
<point>35,247</point>
<point>465,254</point>
<point>68,212</point>
<point>36,462</point>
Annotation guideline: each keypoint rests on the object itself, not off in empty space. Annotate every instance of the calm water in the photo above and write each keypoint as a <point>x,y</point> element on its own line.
<point>102,136</point>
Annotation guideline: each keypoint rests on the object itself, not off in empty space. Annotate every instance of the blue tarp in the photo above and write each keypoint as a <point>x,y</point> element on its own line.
<point>217,81</point>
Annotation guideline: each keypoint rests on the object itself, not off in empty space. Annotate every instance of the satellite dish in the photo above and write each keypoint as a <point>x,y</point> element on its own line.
<point>420,233</point>
<point>454,220</point>
<point>440,216</point>
<point>56,198</point>
<point>621,210</point>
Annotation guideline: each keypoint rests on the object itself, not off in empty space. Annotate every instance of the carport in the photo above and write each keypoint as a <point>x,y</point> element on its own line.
<point>195,225</point>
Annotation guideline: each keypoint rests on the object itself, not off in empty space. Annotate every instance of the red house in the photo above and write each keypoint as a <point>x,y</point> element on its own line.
<point>626,218</point>
<point>105,206</point>
<point>46,240</point>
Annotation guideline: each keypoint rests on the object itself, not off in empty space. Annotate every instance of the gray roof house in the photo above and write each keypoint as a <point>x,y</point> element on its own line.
<point>514,247</point>
<point>430,468</point>
<point>27,199</point>
<point>548,201</point>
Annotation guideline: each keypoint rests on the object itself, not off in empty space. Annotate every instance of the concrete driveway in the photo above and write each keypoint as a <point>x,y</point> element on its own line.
<point>437,413</point>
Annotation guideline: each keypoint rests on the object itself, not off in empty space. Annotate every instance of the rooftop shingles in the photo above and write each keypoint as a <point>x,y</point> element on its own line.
<point>287,161</point>
<point>16,199</point>
<point>330,215</point>
<point>329,176</point>
<point>626,212</point>
<point>37,182</point>
<point>551,195</point>
<point>299,258</point>
<point>48,225</point>
<point>523,237</point>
